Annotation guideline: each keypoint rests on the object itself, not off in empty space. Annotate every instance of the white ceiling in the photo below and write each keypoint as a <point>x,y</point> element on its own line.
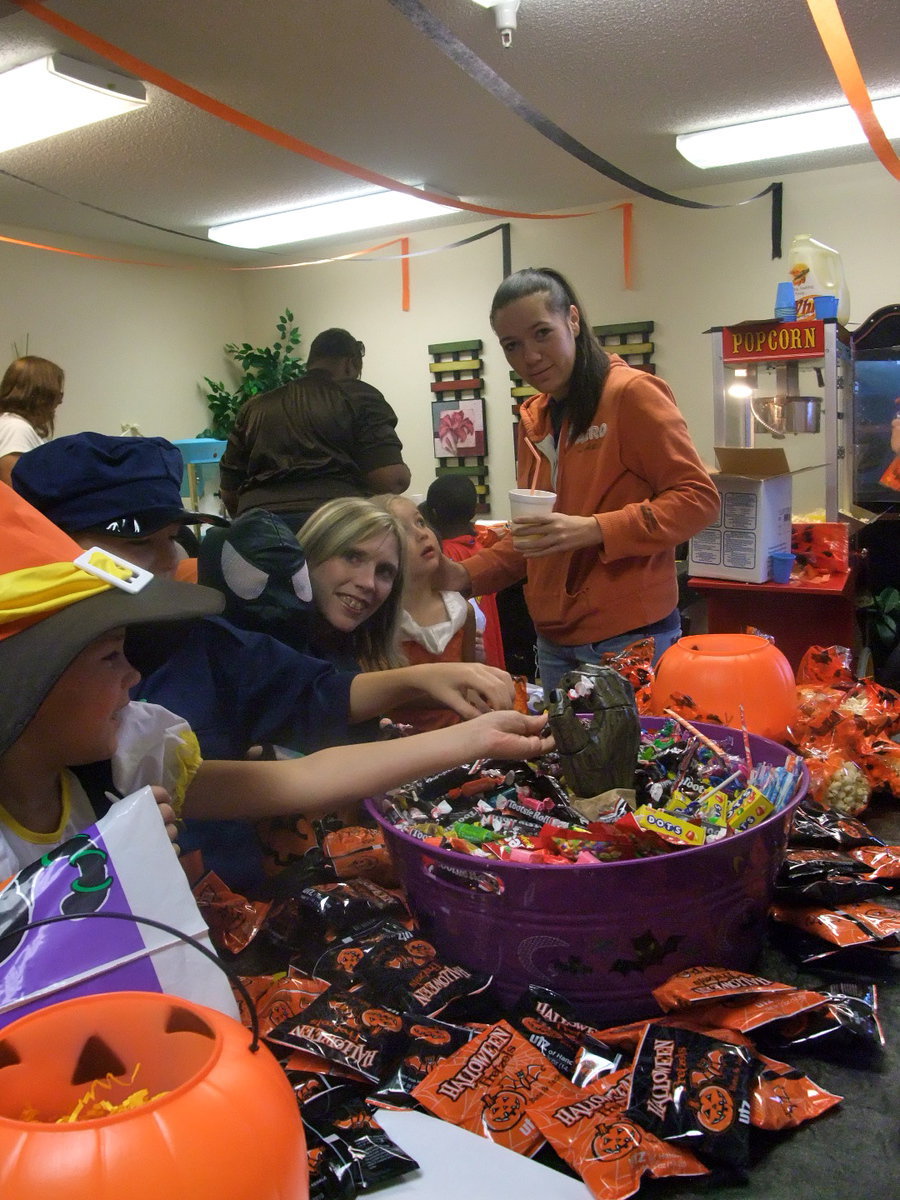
<point>356,79</point>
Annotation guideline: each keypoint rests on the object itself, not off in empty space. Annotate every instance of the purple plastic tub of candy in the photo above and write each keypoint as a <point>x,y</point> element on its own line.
<point>605,935</point>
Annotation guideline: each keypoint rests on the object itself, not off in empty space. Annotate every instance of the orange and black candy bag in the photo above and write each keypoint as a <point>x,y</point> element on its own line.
<point>408,975</point>
<point>346,1028</point>
<point>784,1097</point>
<point>345,905</point>
<point>724,998</point>
<point>590,1130</point>
<point>280,997</point>
<point>233,920</point>
<point>821,876</point>
<point>852,925</point>
<point>329,1174</point>
<point>845,1027</point>
<point>340,961</point>
<point>696,985</point>
<point>694,1090</point>
<point>360,1147</point>
<point>595,1060</point>
<point>357,850</point>
<point>285,840</point>
<point>488,1085</point>
<point>549,1023</point>
<point>814,825</point>
<point>878,862</point>
<point>430,1042</point>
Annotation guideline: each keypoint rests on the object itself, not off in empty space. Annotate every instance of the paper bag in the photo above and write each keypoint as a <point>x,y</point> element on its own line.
<point>123,864</point>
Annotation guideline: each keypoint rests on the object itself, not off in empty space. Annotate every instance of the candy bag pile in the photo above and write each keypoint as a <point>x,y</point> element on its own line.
<point>844,728</point>
<point>364,1015</point>
<point>835,888</point>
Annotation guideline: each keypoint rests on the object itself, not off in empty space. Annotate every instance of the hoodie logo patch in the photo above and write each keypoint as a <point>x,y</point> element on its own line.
<point>592,434</point>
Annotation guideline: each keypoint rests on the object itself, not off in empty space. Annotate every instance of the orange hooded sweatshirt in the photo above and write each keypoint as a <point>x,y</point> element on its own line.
<point>635,470</point>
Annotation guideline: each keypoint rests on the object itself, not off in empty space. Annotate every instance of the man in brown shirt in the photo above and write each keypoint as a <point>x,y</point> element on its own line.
<point>325,435</point>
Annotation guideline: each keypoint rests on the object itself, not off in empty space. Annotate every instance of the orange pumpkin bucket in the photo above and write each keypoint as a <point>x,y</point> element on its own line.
<point>220,1121</point>
<point>715,676</point>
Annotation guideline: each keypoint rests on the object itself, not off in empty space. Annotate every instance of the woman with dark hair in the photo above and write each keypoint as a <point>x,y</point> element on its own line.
<point>30,393</point>
<point>609,440</point>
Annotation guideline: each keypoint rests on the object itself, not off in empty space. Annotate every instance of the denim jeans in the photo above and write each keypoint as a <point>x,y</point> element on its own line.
<point>554,660</point>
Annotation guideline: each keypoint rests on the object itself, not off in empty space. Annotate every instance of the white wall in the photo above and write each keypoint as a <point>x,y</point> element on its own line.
<point>136,341</point>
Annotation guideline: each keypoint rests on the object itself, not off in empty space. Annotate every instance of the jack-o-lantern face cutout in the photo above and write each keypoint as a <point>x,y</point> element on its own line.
<point>419,951</point>
<point>279,1010</point>
<point>380,1018</point>
<point>536,1025</point>
<point>713,1065</point>
<point>355,1121</point>
<point>342,1014</point>
<point>616,1140</point>
<point>430,1033</point>
<point>503,1109</point>
<point>316,1159</point>
<point>715,1108</point>
<point>349,959</point>
<point>307,1089</point>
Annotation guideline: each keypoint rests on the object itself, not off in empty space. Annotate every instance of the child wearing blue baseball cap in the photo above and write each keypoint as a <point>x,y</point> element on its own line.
<point>100,488</point>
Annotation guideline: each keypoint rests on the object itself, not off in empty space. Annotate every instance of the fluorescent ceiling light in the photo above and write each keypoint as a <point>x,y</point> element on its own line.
<point>58,93</point>
<point>783,137</point>
<point>352,213</point>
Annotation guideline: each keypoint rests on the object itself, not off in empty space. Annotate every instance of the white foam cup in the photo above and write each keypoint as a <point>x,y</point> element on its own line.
<point>525,503</point>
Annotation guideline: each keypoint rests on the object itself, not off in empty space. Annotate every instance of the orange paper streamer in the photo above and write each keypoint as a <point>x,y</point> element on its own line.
<point>837,45</point>
<point>404,274</point>
<point>627,228</point>
<point>233,116</point>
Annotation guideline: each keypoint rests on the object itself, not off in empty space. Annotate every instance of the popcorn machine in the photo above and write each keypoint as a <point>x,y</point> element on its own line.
<point>789,384</point>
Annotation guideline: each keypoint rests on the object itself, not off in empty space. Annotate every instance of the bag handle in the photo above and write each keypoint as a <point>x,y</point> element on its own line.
<point>18,929</point>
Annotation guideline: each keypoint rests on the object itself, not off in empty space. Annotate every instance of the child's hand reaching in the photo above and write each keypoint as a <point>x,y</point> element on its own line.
<point>465,687</point>
<point>506,735</point>
<point>167,812</point>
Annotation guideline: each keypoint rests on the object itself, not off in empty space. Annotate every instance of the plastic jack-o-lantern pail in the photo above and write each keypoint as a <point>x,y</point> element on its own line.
<point>719,676</point>
<point>603,935</point>
<point>222,1123</point>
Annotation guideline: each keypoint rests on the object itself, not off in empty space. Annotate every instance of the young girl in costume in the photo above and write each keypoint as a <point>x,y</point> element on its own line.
<point>450,509</point>
<point>437,625</point>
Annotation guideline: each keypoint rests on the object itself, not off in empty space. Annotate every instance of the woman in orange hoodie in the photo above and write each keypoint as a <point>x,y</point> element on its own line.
<point>630,486</point>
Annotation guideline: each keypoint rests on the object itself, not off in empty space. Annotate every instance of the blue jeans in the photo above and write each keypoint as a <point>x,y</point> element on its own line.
<point>554,660</point>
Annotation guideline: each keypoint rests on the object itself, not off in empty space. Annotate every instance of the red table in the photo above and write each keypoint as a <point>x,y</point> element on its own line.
<point>796,614</point>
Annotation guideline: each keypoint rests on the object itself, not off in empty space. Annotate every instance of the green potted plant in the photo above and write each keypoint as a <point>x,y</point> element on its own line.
<point>264,368</point>
<point>881,626</point>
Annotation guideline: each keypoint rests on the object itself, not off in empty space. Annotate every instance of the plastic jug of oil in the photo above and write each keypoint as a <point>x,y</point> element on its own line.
<point>815,270</point>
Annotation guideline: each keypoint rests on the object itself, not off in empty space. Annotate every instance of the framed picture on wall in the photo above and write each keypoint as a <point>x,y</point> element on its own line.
<point>458,427</point>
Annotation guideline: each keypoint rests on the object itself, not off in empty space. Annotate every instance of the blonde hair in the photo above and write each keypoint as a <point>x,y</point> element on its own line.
<point>32,388</point>
<point>334,529</point>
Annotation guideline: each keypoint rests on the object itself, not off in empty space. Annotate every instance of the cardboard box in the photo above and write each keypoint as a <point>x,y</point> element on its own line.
<point>754,518</point>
